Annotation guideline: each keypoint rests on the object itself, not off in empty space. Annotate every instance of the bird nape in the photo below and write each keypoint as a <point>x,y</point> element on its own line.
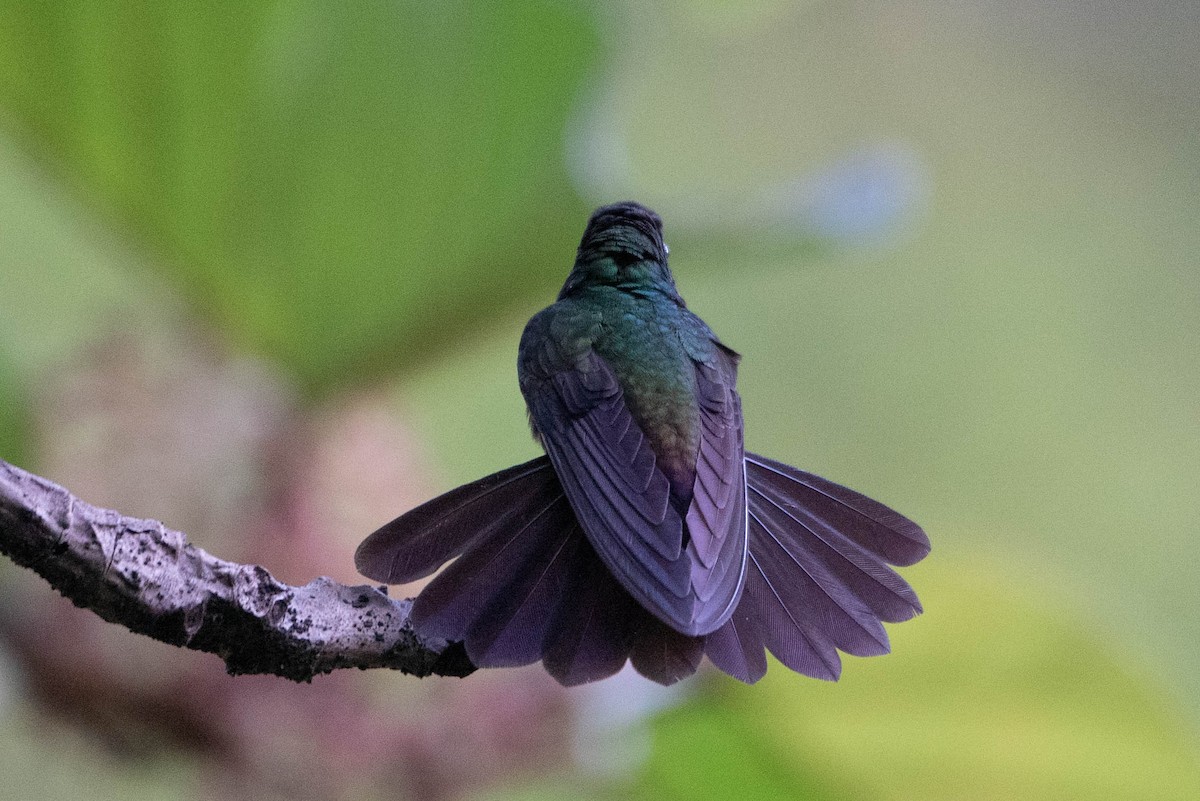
<point>646,533</point>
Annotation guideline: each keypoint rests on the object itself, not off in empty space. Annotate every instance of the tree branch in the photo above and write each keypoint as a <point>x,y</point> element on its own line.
<point>143,576</point>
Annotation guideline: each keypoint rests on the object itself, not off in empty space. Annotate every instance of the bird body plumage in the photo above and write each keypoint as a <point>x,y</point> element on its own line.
<point>646,533</point>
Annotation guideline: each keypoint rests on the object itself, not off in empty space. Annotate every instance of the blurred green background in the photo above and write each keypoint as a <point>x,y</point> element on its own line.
<point>265,266</point>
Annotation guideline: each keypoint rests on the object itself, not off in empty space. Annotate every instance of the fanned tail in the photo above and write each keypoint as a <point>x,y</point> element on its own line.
<point>880,530</point>
<point>526,585</point>
<point>501,596</point>
<point>662,654</point>
<point>818,579</point>
<point>593,635</point>
<point>420,541</point>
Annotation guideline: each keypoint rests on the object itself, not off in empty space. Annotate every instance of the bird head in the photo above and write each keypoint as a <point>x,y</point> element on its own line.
<point>622,247</point>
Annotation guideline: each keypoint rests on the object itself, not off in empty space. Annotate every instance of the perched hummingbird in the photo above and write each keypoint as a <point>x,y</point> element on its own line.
<point>646,533</point>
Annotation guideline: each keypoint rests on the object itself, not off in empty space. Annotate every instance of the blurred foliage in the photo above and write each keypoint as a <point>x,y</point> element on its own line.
<point>46,763</point>
<point>1026,363</point>
<point>13,415</point>
<point>996,333</point>
<point>707,750</point>
<point>65,278</point>
<point>331,182</point>
<point>1025,703</point>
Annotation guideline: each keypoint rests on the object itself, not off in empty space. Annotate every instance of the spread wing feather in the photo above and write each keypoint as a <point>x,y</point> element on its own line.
<point>663,654</point>
<point>514,627</point>
<point>804,586</point>
<point>855,579</point>
<point>737,647</point>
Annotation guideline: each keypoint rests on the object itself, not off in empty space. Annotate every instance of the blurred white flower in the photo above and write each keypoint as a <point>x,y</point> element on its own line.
<point>612,734</point>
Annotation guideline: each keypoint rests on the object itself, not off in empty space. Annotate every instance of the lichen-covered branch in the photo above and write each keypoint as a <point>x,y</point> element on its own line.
<point>143,576</point>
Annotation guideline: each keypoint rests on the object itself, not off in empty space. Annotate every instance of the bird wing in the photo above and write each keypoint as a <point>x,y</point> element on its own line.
<point>716,518</point>
<point>623,499</point>
<point>610,474</point>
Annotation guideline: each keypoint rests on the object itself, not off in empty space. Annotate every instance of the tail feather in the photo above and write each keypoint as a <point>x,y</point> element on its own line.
<point>527,585</point>
<point>789,632</point>
<point>476,587</point>
<point>818,579</point>
<point>880,530</point>
<point>515,625</point>
<point>804,585</point>
<point>664,655</point>
<point>417,543</point>
<point>737,647</point>
<point>841,566</point>
<point>593,634</point>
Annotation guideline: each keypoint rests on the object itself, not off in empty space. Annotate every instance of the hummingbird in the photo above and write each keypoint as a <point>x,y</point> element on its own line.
<point>646,533</point>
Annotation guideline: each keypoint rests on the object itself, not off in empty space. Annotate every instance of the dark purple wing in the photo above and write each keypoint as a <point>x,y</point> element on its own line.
<point>526,583</point>
<point>420,541</point>
<point>716,517</point>
<point>610,473</point>
<point>623,499</point>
